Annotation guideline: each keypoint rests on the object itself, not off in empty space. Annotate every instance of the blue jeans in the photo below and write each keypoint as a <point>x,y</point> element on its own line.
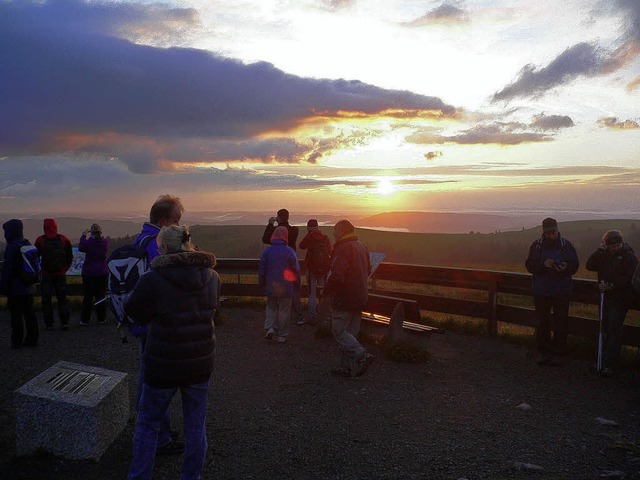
<point>314,281</point>
<point>164,435</point>
<point>154,404</point>
<point>345,326</point>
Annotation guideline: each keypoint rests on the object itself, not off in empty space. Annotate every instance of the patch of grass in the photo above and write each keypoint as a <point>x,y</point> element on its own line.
<point>405,351</point>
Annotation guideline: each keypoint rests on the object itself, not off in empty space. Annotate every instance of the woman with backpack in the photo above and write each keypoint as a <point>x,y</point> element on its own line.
<point>94,273</point>
<point>18,288</point>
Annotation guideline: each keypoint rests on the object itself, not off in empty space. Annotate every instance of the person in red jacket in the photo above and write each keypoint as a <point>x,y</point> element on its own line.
<point>56,256</point>
<point>317,262</point>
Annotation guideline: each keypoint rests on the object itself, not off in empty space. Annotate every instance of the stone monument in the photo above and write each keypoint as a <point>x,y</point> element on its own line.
<point>71,410</point>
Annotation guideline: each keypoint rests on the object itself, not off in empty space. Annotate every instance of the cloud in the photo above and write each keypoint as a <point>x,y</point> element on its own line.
<point>551,122</point>
<point>581,60</point>
<point>612,123</point>
<point>433,154</point>
<point>339,4</point>
<point>497,133</point>
<point>633,84</point>
<point>68,78</point>
<point>445,14</point>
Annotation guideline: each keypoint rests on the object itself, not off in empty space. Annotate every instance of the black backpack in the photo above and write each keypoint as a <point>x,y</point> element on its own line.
<point>318,258</point>
<point>54,256</point>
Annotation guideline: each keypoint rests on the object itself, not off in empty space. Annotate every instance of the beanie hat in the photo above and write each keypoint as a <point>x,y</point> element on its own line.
<point>549,225</point>
<point>312,225</point>
<point>280,233</point>
<point>612,237</point>
<point>95,228</point>
<point>13,230</point>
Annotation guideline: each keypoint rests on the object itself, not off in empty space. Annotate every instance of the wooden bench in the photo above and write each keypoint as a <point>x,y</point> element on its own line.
<point>379,308</point>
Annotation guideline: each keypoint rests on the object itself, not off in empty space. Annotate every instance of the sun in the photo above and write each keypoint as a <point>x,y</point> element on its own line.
<point>385,187</point>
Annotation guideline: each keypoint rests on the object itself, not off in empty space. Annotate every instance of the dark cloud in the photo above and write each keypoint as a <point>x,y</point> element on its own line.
<point>614,124</point>
<point>67,80</point>
<point>582,59</point>
<point>432,155</point>
<point>498,133</point>
<point>551,122</point>
<point>443,14</point>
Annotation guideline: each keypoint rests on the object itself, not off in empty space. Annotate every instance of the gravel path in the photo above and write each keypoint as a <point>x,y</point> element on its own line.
<point>275,412</point>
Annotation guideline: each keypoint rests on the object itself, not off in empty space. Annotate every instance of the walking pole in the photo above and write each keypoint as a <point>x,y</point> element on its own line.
<point>599,362</point>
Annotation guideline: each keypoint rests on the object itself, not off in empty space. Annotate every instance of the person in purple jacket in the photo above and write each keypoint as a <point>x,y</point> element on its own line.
<point>94,273</point>
<point>167,210</point>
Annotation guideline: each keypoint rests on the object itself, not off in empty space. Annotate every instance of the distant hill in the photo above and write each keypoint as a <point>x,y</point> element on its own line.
<point>436,222</point>
<point>73,227</point>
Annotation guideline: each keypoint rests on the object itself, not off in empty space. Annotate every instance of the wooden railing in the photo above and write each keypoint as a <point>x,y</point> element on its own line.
<point>495,286</point>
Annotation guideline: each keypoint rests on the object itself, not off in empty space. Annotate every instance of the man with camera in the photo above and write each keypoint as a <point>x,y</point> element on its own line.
<point>552,260</point>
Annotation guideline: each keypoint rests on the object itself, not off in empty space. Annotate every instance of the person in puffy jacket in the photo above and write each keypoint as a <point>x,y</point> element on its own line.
<point>552,260</point>
<point>278,272</point>
<point>615,263</point>
<point>348,289</point>
<point>94,273</point>
<point>177,299</point>
<point>19,294</point>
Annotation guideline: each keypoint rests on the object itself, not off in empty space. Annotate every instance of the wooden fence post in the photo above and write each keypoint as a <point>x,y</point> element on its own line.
<point>492,301</point>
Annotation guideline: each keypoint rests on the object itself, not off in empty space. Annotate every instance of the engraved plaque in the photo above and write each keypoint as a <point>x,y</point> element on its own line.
<point>73,381</point>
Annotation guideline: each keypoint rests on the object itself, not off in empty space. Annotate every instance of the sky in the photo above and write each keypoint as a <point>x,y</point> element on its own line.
<point>332,106</point>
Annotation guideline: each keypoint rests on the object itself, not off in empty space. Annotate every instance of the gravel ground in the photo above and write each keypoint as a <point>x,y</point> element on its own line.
<point>275,411</point>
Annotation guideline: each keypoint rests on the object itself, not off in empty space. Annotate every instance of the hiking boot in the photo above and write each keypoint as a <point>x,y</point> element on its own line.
<point>102,321</point>
<point>300,321</point>
<point>606,373</point>
<point>282,339</point>
<point>363,364</point>
<point>269,334</point>
<point>48,327</point>
<point>83,323</point>
<point>64,327</point>
<point>172,448</point>
<point>341,371</point>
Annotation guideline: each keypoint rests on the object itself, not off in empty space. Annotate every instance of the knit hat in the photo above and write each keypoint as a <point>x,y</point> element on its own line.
<point>280,233</point>
<point>612,237</point>
<point>549,225</point>
<point>95,228</point>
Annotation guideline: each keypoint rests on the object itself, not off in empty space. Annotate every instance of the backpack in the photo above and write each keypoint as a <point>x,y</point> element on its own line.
<point>126,265</point>
<point>54,256</point>
<point>30,270</point>
<point>318,257</point>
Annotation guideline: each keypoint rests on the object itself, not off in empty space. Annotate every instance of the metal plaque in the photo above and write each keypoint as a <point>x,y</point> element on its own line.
<point>74,381</point>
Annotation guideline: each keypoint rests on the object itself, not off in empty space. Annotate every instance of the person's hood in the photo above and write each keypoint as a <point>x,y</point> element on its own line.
<point>171,266</point>
<point>50,227</point>
<point>280,233</point>
<point>13,230</point>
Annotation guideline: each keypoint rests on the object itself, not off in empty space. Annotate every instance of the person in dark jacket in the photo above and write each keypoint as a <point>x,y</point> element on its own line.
<point>282,220</point>
<point>316,273</point>
<point>278,272</point>
<point>94,273</point>
<point>56,256</point>
<point>348,289</point>
<point>178,299</point>
<point>552,261</point>
<point>19,294</point>
<point>615,263</point>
